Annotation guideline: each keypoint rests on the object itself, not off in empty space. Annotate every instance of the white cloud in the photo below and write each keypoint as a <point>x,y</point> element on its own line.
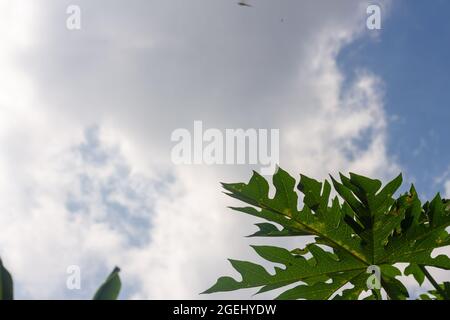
<point>71,195</point>
<point>447,189</point>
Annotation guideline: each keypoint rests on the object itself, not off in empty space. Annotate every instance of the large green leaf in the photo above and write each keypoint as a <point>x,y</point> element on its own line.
<point>369,227</point>
<point>6,284</point>
<point>110,289</point>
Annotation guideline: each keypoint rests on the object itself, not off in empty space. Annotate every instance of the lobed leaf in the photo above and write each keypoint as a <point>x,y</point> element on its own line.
<point>370,227</point>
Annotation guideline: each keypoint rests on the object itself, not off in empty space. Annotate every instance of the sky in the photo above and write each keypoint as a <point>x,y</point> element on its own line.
<point>411,57</point>
<point>86,116</point>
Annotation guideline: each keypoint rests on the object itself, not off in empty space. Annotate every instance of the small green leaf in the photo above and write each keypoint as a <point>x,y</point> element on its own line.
<point>110,289</point>
<point>6,284</point>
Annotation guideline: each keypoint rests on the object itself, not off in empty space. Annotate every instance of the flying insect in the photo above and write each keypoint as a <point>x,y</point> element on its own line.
<point>243,3</point>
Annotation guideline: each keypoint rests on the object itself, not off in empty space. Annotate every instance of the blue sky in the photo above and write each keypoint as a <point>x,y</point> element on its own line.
<point>412,56</point>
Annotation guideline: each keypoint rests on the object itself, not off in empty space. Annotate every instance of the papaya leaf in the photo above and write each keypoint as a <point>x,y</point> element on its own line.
<point>366,226</point>
<point>297,268</point>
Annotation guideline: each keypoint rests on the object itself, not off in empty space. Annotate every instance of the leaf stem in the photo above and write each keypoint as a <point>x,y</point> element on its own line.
<point>433,282</point>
